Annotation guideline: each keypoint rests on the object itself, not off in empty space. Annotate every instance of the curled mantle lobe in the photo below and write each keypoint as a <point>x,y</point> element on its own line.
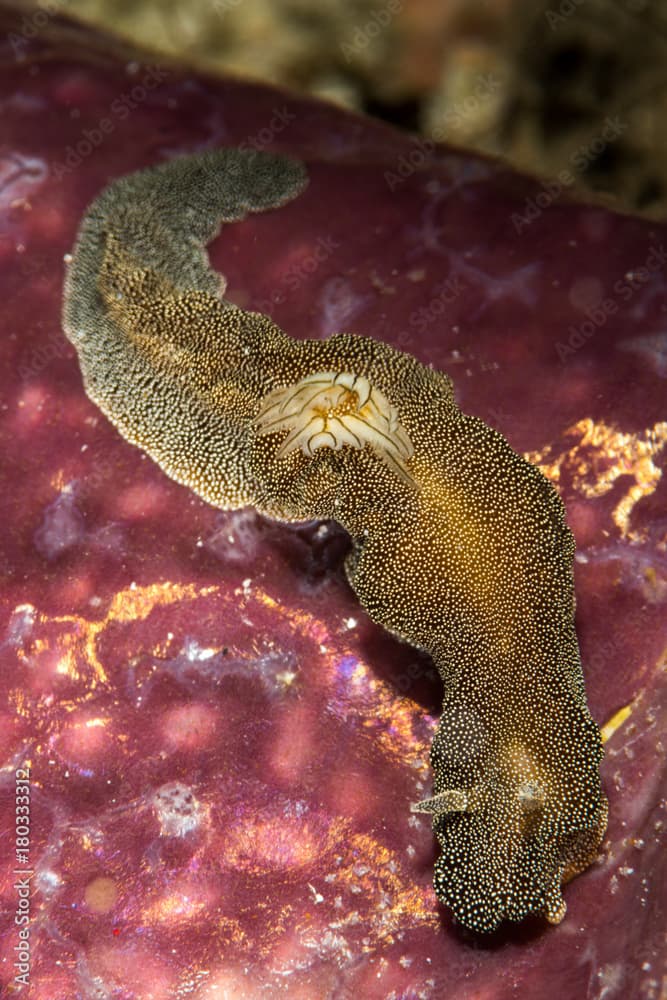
<point>460,545</point>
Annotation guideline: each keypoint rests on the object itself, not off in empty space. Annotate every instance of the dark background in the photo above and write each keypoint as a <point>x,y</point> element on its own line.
<point>534,82</point>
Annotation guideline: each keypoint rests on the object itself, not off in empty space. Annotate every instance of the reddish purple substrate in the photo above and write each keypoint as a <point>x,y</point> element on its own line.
<point>223,748</point>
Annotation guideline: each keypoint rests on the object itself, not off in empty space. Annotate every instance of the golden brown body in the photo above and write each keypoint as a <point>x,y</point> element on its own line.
<point>460,545</point>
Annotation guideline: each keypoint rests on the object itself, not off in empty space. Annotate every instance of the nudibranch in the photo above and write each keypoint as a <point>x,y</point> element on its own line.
<point>460,546</point>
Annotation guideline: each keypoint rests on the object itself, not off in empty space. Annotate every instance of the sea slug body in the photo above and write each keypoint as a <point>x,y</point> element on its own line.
<point>460,546</point>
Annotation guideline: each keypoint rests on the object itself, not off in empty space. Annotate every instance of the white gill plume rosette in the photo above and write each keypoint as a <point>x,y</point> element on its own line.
<point>333,409</point>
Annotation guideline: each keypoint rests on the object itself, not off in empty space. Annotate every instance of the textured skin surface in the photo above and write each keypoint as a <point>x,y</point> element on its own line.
<point>472,560</point>
<point>223,747</point>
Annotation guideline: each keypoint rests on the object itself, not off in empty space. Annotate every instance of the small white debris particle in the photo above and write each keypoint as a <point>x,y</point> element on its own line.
<point>317,896</point>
